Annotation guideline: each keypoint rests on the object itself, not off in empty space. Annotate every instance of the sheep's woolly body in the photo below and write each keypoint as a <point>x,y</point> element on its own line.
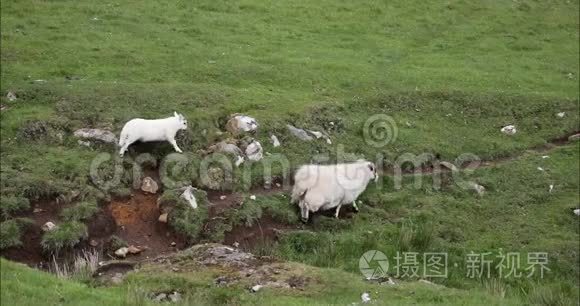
<point>328,186</point>
<point>151,130</point>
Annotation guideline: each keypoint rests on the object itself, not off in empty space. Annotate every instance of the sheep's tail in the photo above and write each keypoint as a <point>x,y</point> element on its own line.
<point>297,194</point>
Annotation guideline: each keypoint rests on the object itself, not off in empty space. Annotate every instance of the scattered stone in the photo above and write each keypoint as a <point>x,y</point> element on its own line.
<point>134,250</point>
<point>3,107</point>
<point>365,297</point>
<point>509,129</point>
<point>551,188</point>
<point>48,226</point>
<point>236,244</point>
<point>577,212</point>
<point>574,137</point>
<point>160,297</point>
<point>174,269</point>
<point>561,115</point>
<point>256,288</point>
<point>117,279</point>
<point>390,282</point>
<point>84,143</point>
<point>93,243</point>
<point>449,166</point>
<point>225,147</point>
<point>275,141</point>
<point>477,188</point>
<point>221,281</point>
<point>96,134</point>
<point>545,156</point>
<point>122,252</point>
<point>300,133</point>
<point>254,151</point>
<point>239,124</point>
<point>189,196</point>
<point>278,185</point>
<point>252,197</point>
<point>149,185</point>
<point>239,161</point>
<point>173,244</point>
<point>37,210</point>
<point>175,297</point>
<point>540,169</point>
<point>223,197</point>
<point>427,282</point>
<point>163,218</point>
<point>11,96</point>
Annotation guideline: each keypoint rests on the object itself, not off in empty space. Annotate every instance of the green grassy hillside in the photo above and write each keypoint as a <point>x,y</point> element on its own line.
<point>450,74</point>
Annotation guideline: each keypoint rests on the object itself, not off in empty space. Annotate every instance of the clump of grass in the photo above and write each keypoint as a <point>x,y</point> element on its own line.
<point>116,242</point>
<point>247,214</point>
<point>9,205</point>
<point>546,296</point>
<point>279,209</point>
<point>416,237</point>
<point>186,220</point>
<point>66,235</point>
<point>80,212</point>
<point>11,231</point>
<point>81,269</point>
<point>495,287</point>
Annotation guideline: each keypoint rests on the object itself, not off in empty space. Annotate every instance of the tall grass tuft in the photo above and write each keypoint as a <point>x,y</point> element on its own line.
<point>81,269</point>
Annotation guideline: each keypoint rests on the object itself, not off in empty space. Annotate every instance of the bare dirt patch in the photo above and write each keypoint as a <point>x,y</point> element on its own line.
<point>137,223</point>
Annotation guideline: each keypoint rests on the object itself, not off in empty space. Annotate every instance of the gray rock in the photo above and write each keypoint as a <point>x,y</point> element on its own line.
<point>163,218</point>
<point>299,133</point>
<point>448,165</point>
<point>96,134</point>
<point>48,226</point>
<point>256,288</point>
<point>84,143</point>
<point>160,297</point>
<point>189,196</point>
<point>175,297</point>
<point>574,137</point>
<point>149,185</point>
<point>122,252</point>
<point>11,96</point>
<point>254,151</point>
<point>275,141</point>
<point>477,188</point>
<point>226,147</point>
<point>239,124</point>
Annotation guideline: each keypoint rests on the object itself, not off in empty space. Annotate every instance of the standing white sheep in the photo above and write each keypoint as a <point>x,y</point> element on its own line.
<point>152,130</point>
<point>327,186</point>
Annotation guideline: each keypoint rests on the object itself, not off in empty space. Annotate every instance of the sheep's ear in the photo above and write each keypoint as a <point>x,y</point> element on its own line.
<point>175,114</point>
<point>371,166</point>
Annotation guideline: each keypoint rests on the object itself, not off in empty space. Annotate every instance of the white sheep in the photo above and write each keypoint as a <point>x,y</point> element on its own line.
<point>327,186</point>
<point>152,130</point>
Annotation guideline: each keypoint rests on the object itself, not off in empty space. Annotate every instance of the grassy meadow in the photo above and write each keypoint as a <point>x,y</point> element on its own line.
<point>449,73</point>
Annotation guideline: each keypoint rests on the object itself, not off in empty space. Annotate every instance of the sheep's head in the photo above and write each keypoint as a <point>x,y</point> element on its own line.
<point>373,169</point>
<point>181,121</point>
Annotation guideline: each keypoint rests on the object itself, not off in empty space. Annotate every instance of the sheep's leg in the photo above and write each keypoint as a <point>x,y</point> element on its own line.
<point>174,144</point>
<point>354,205</point>
<point>124,148</point>
<point>304,211</point>
<point>337,211</point>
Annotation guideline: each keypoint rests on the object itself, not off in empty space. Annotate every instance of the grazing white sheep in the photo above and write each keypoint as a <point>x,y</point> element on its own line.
<point>327,186</point>
<point>152,130</point>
